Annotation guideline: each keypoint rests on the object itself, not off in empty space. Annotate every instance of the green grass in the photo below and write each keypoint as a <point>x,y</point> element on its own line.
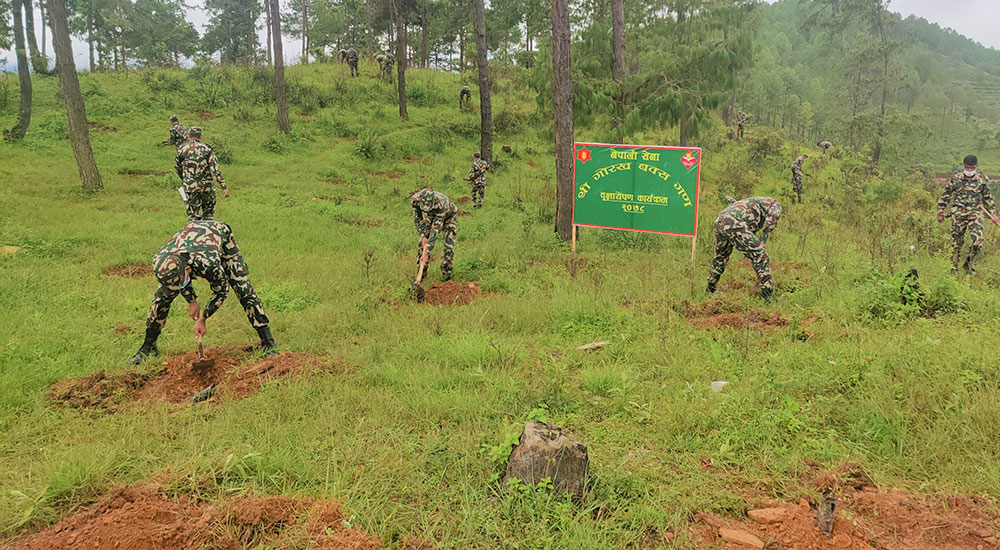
<point>411,436</point>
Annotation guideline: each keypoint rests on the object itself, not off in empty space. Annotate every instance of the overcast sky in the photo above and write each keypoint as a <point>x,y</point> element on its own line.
<point>977,19</point>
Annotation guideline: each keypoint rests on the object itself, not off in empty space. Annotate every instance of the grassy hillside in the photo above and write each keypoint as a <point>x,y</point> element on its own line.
<point>412,432</point>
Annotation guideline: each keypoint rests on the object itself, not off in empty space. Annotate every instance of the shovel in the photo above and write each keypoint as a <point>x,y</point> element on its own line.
<point>417,289</point>
<point>201,363</point>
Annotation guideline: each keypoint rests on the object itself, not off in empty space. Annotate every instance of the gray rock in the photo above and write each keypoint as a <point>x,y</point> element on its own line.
<point>544,452</point>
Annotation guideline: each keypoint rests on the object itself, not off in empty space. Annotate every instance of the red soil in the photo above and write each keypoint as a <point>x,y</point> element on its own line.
<point>132,271</point>
<point>452,293</point>
<point>717,314</point>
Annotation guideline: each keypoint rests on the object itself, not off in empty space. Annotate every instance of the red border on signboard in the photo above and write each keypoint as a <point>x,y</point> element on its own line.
<point>697,185</point>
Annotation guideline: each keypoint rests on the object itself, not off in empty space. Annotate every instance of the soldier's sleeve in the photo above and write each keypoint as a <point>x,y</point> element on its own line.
<point>946,196</point>
<point>220,290</point>
<point>988,196</point>
<point>436,225</point>
<point>178,165</point>
<point>213,163</point>
<point>418,219</point>
<point>189,294</point>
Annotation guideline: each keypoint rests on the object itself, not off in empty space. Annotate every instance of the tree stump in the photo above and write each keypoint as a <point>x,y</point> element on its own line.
<point>544,452</point>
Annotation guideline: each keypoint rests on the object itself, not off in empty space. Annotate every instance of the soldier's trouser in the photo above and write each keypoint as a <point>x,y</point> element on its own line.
<point>746,242</point>
<point>201,205</point>
<point>974,225</point>
<point>449,233</point>
<point>464,99</point>
<point>354,68</point>
<point>797,185</point>
<point>740,130</point>
<point>478,191</point>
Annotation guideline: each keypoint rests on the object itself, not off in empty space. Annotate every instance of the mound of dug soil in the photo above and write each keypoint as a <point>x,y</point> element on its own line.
<point>452,293</point>
<point>717,314</point>
<point>178,382</point>
<point>132,271</point>
<point>865,518</point>
<point>143,517</point>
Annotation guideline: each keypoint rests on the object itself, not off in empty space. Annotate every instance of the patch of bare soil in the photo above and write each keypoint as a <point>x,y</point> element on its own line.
<point>717,314</point>
<point>100,127</point>
<point>865,517</point>
<point>132,271</point>
<point>337,181</point>
<point>411,160</point>
<point>145,517</point>
<point>136,172</point>
<point>206,115</point>
<point>464,213</point>
<point>942,179</point>
<point>394,175</point>
<point>452,293</point>
<point>464,200</point>
<point>121,329</point>
<point>178,381</point>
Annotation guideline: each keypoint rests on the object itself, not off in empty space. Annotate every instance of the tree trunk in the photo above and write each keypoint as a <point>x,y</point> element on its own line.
<point>424,54</point>
<point>461,50</point>
<point>485,106</point>
<point>279,69</point>
<point>41,12</point>
<point>400,58</point>
<point>877,149</point>
<point>562,91</point>
<point>79,135</point>
<point>38,61</point>
<point>305,46</point>
<point>618,38</point>
<point>267,21</point>
<point>24,78</point>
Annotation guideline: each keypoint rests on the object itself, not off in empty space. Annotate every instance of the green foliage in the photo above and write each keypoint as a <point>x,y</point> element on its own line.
<point>370,145</point>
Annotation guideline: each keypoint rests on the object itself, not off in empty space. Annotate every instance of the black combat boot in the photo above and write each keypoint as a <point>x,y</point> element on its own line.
<point>968,267</point>
<point>267,341</point>
<point>148,346</point>
<point>711,289</point>
<point>767,294</point>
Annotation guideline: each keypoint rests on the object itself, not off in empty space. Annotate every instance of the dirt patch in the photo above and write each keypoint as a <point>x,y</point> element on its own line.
<point>532,164</point>
<point>942,179</point>
<point>464,213</point>
<point>718,314</point>
<point>144,516</point>
<point>452,293</point>
<point>337,181</point>
<point>206,115</point>
<point>121,329</point>
<point>464,200</point>
<point>411,160</point>
<point>132,271</point>
<point>136,172</point>
<point>100,127</point>
<point>865,518</point>
<point>178,382</point>
<point>394,175</point>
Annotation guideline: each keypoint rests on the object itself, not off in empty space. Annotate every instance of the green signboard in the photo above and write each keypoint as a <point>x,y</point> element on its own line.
<point>637,188</point>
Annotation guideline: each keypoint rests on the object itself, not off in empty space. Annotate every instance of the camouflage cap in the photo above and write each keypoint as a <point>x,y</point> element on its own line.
<point>424,197</point>
<point>173,118</point>
<point>194,131</point>
<point>170,270</point>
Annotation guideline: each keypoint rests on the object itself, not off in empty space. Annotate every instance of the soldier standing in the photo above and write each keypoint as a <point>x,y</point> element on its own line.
<point>825,146</point>
<point>342,55</point>
<point>390,62</point>
<point>178,133</point>
<point>464,97</point>
<point>969,195</point>
<point>352,60</point>
<point>736,226</point>
<point>434,213</point>
<point>202,249</point>
<point>797,176</point>
<point>477,176</point>
<point>380,59</point>
<point>741,120</point>
<point>197,167</point>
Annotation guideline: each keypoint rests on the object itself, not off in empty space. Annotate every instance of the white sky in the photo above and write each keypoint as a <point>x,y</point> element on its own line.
<point>977,19</point>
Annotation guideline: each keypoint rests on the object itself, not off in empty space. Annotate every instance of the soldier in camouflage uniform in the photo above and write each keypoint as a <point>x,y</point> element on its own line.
<point>825,146</point>
<point>969,193</point>
<point>390,62</point>
<point>464,97</point>
<point>380,59</point>
<point>197,167</point>
<point>352,60</point>
<point>342,55</point>
<point>178,133</point>
<point>477,176</point>
<point>202,249</point>
<point>433,214</point>
<point>797,176</point>
<point>736,226</point>
<point>741,120</point>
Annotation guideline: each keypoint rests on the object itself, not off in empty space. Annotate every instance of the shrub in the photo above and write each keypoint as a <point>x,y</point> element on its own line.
<point>223,153</point>
<point>370,146</point>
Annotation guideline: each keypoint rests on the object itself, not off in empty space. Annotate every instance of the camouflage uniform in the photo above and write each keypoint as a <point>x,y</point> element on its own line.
<point>477,176</point>
<point>390,61</point>
<point>352,61</point>
<point>797,176</point>
<point>342,55</point>
<point>434,213</point>
<point>464,97</point>
<point>178,135</point>
<point>380,59</point>
<point>967,196</point>
<point>736,226</point>
<point>197,167</point>
<point>208,248</point>
<point>741,120</point>
<point>824,145</point>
